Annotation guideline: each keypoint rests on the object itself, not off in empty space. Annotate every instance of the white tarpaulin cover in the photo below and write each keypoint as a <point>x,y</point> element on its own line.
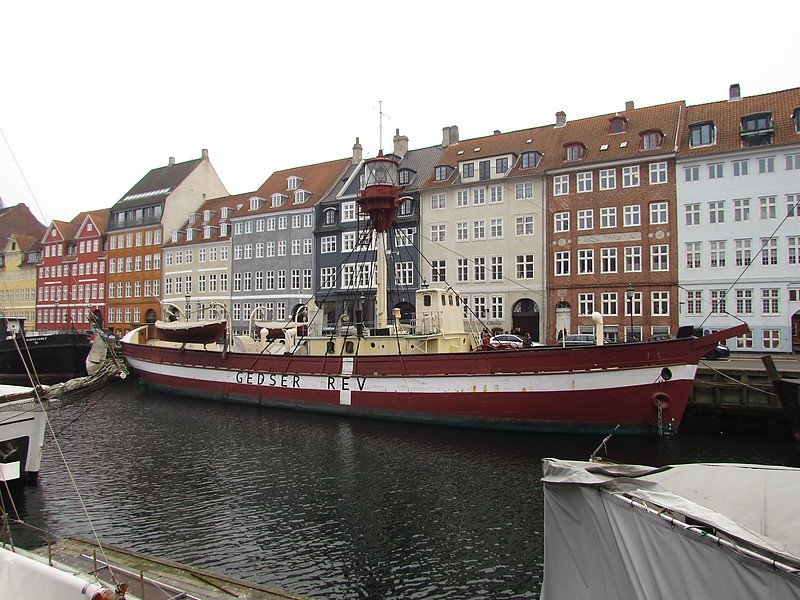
<point>621,532</point>
<point>24,577</point>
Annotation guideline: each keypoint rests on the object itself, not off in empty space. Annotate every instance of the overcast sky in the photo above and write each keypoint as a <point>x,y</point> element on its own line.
<point>95,94</point>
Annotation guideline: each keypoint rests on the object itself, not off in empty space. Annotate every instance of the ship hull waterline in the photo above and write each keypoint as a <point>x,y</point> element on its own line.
<point>536,390</point>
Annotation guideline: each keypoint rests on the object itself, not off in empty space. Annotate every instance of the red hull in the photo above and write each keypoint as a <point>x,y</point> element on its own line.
<point>586,388</point>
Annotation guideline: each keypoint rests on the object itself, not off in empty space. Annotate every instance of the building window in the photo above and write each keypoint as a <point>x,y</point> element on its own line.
<point>716,211</point>
<point>478,230</point>
<point>608,304</point>
<point>496,228</point>
<point>659,213</point>
<point>608,217</point>
<point>586,219</point>
<point>691,173</point>
<point>630,176</point>
<point>659,303</point>
<point>766,164</point>
<point>462,270</point>
<point>715,170</point>
<point>560,222</point>
<point>701,134</point>
<point>740,168</point>
<point>651,140</point>
<point>757,129</point>
<point>694,302</point>
<point>659,258</point>
<point>438,232</point>
<point>718,304</point>
<point>633,259</point>
<point>658,173</point>
<point>479,268</point>
<point>693,254</point>
<point>768,209</point>
<point>438,201</point>
<point>573,151</point>
<point>496,194</point>
<point>525,190</point>
<point>693,214</point>
<point>441,173</point>
<point>585,262</point>
<point>496,268</point>
<point>404,176</point>
<point>769,251</point>
<point>530,159</point>
<point>525,266</point>
<point>585,304</point>
<point>327,244</point>
<point>769,301</point>
<point>561,263</point>
<point>608,179</point>
<point>501,165</point>
<point>717,258</point>
<point>608,260</point>
<point>771,339</point>
<point>584,182</point>
<point>741,209</point>
<point>632,216</point>
<point>616,125</point>
<point>793,249</point>
<point>793,205</point>
<point>462,198</point>
<point>479,196</point>
<point>742,252</point>
<point>468,170</point>
<point>792,162</point>
<point>560,185</point>
<point>462,231</point>
<point>497,303</point>
<point>744,301</point>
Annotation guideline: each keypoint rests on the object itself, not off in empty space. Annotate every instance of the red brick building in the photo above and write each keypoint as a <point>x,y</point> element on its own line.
<point>612,226</point>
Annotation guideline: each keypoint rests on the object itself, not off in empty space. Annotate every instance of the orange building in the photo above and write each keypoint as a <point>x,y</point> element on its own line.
<point>157,205</point>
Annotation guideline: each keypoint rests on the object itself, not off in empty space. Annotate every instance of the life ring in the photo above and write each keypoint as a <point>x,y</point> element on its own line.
<point>661,400</point>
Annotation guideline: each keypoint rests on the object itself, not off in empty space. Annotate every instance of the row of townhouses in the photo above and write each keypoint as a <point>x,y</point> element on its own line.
<point>654,217</point>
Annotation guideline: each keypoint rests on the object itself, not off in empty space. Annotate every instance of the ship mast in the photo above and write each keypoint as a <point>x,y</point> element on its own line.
<point>380,199</point>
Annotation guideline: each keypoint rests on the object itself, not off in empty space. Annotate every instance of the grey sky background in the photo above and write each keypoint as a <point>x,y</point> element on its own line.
<point>95,94</point>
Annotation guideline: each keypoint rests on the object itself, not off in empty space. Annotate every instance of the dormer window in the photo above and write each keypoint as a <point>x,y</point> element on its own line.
<point>206,216</point>
<point>796,117</point>
<point>617,125</point>
<point>404,176</point>
<point>224,212</point>
<point>757,129</point>
<point>277,199</point>
<point>223,229</point>
<point>189,234</point>
<point>255,202</point>
<point>702,134</point>
<point>441,173</point>
<point>174,236</point>
<point>301,196</point>
<point>651,140</point>
<point>574,151</point>
<point>192,218</point>
<point>292,183</point>
<point>530,159</point>
<point>406,207</point>
<point>329,216</point>
<point>468,170</point>
<point>206,232</point>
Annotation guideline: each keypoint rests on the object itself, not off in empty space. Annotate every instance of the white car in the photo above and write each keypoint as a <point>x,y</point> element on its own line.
<point>506,340</point>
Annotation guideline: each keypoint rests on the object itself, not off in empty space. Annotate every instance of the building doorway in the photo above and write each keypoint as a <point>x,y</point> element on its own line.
<point>525,316</point>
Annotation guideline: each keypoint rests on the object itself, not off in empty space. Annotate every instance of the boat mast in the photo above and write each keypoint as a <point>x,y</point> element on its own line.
<point>379,199</point>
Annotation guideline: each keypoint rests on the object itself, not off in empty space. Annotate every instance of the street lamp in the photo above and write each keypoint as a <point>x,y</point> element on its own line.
<point>629,294</point>
<point>188,300</point>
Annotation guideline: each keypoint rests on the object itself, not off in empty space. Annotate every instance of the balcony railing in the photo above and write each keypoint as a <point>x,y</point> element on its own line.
<point>115,225</point>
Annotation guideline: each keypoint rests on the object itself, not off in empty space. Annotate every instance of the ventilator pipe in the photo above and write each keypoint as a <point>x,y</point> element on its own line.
<point>597,318</point>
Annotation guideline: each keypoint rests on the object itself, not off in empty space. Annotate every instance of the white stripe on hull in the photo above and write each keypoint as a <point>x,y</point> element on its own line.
<point>345,384</point>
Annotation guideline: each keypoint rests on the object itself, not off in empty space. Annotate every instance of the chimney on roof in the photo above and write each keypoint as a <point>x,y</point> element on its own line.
<point>735,92</point>
<point>561,118</point>
<point>497,132</point>
<point>204,153</point>
<point>357,152</point>
<point>629,105</point>
<point>400,144</point>
<point>171,160</point>
<point>449,135</point>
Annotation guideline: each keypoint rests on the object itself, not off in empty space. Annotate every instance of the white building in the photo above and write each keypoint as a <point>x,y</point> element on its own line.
<point>738,194</point>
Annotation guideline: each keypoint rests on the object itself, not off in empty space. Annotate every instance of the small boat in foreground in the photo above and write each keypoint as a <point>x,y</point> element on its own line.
<point>788,391</point>
<point>434,369</point>
<point>700,531</point>
<point>191,332</point>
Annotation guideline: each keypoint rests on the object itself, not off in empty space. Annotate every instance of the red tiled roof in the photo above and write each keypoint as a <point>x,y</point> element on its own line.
<point>317,179</point>
<point>727,118</point>
<point>214,205</point>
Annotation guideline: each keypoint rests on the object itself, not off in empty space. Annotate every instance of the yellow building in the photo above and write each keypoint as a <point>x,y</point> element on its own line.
<point>18,278</point>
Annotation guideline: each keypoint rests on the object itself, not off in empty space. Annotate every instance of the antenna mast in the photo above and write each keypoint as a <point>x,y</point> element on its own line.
<point>380,124</point>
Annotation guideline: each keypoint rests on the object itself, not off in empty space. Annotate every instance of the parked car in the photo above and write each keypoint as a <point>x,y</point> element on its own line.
<point>506,340</point>
<point>578,339</point>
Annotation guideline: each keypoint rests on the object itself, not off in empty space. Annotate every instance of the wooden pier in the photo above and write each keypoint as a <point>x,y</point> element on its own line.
<point>740,387</point>
<point>149,577</point>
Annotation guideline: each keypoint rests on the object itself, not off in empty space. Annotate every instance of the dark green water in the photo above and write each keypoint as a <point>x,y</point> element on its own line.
<point>326,506</point>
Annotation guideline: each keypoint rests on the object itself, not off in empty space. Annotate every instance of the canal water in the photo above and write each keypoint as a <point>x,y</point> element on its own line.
<point>325,506</point>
